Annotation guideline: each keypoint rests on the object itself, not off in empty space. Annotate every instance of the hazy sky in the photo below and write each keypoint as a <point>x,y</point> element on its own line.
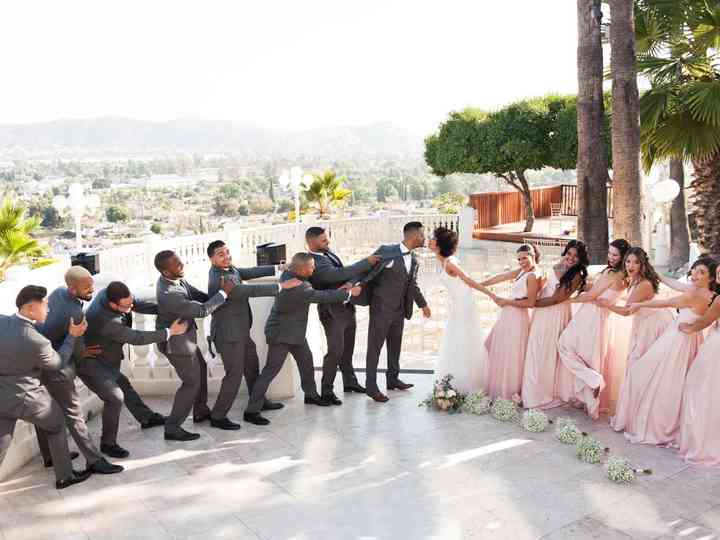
<point>288,64</point>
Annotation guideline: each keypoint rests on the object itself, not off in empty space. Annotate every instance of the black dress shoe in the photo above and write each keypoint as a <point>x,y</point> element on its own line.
<point>354,388</point>
<point>272,405</point>
<point>181,435</point>
<point>103,466</point>
<point>316,400</point>
<point>256,418</point>
<point>225,424</point>
<point>114,450</point>
<point>399,385</point>
<point>202,417</point>
<point>332,399</point>
<point>155,420</point>
<point>76,478</point>
<point>49,463</point>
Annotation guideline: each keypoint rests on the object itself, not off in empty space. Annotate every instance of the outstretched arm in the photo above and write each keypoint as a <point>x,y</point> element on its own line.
<point>600,286</point>
<point>500,278</point>
<point>560,295</point>
<point>710,316</point>
<point>676,285</point>
<point>684,300</point>
<point>642,293</point>
<point>327,275</point>
<point>532,289</point>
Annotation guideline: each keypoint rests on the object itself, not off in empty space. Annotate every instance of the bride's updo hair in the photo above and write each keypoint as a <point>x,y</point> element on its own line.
<point>530,249</point>
<point>446,241</point>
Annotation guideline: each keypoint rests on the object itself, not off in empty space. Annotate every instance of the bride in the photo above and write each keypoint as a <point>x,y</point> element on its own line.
<point>462,350</point>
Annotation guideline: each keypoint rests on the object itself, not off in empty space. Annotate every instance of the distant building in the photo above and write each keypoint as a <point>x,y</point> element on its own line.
<point>160,181</point>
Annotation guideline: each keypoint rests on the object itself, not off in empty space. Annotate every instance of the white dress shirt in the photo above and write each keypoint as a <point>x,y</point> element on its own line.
<point>407,258</point>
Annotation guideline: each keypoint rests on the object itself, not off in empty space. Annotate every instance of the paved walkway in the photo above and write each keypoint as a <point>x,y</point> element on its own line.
<point>366,471</point>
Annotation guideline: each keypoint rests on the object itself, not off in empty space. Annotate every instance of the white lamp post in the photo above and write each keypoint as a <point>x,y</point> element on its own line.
<point>293,180</point>
<point>76,202</point>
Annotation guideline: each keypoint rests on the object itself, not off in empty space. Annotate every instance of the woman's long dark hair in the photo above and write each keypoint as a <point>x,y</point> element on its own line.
<point>578,269</point>
<point>622,246</point>
<point>711,264</point>
<point>646,269</point>
<point>446,241</point>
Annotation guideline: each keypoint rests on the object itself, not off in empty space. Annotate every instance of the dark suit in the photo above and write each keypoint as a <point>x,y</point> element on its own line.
<point>111,330</point>
<point>230,331</point>
<point>285,331</point>
<point>61,383</point>
<point>24,355</point>
<point>338,320</point>
<point>180,300</point>
<point>394,291</point>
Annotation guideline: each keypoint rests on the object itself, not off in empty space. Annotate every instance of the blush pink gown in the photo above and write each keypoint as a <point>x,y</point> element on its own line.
<point>583,348</point>
<point>699,438</point>
<point>506,346</point>
<point>546,382</point>
<point>654,386</point>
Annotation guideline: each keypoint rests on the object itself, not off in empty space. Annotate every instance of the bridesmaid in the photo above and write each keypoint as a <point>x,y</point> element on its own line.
<point>655,382</point>
<point>546,382</point>
<point>583,346</point>
<point>507,341</point>
<point>699,437</point>
<point>647,325</point>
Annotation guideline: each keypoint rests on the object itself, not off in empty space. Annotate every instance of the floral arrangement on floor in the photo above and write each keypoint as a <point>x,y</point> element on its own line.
<point>444,397</point>
<point>620,471</point>
<point>477,403</point>
<point>535,421</point>
<point>589,449</point>
<point>505,410</point>
<point>566,431</point>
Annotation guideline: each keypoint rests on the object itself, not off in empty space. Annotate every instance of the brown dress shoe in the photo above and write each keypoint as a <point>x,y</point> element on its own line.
<point>379,397</point>
<point>399,385</point>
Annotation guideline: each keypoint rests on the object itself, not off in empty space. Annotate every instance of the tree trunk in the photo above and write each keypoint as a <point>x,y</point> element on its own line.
<point>627,188</point>
<point>706,198</point>
<point>527,201</point>
<point>592,173</point>
<point>679,231</point>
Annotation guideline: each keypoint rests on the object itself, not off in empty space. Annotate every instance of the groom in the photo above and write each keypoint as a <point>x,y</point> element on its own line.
<point>392,288</point>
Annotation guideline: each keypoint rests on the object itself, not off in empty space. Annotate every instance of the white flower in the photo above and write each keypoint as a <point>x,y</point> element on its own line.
<point>535,421</point>
<point>504,410</point>
<point>619,470</point>
<point>588,449</point>
<point>451,393</point>
<point>440,394</point>
<point>477,403</point>
<point>566,431</point>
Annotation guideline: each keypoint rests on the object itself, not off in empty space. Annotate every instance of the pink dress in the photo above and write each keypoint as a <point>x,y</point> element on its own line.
<point>583,348</point>
<point>506,345</point>
<point>654,384</point>
<point>699,437</point>
<point>546,382</point>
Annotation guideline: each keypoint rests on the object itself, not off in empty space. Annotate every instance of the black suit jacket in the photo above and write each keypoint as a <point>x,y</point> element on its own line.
<point>330,273</point>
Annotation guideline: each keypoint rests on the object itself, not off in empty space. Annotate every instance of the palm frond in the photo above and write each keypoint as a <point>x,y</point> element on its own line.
<point>703,100</point>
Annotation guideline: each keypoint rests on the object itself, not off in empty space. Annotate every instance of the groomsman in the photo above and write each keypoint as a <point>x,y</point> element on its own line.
<point>65,304</point>
<point>109,320</point>
<point>177,299</point>
<point>285,333</point>
<point>24,354</point>
<point>230,328</point>
<point>338,320</point>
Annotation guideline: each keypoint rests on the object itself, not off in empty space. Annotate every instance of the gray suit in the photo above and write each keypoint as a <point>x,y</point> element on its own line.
<point>393,291</point>
<point>230,331</point>
<point>285,331</point>
<point>180,300</point>
<point>111,330</point>
<point>61,383</point>
<point>338,320</point>
<point>24,354</point>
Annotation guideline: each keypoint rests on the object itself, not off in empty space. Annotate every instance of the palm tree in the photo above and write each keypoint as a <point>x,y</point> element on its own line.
<point>16,242</point>
<point>326,191</point>
<point>592,166</point>
<point>678,44</point>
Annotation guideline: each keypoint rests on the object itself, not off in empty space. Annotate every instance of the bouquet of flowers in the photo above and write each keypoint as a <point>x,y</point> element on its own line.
<point>444,397</point>
<point>566,431</point>
<point>535,421</point>
<point>505,410</point>
<point>477,403</point>
<point>620,471</point>
<point>589,449</point>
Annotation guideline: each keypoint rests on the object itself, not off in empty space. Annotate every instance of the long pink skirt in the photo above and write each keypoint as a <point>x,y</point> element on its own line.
<point>506,347</point>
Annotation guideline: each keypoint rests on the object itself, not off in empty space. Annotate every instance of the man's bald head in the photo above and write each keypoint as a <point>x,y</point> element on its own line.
<point>79,282</point>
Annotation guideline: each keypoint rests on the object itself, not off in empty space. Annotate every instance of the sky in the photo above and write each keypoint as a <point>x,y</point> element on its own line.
<point>285,64</point>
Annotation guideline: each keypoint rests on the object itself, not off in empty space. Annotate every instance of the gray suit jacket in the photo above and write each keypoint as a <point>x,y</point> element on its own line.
<point>111,331</point>
<point>392,288</point>
<point>331,274</point>
<point>63,306</point>
<point>288,318</point>
<point>180,300</point>
<point>232,321</point>
<point>24,354</point>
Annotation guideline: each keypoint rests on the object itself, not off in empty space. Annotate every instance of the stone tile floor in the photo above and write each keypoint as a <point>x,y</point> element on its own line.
<point>366,471</point>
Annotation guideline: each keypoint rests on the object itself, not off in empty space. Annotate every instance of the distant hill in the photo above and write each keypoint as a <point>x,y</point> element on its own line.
<point>381,139</point>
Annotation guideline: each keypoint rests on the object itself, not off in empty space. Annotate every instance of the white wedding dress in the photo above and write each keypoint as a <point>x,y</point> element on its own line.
<point>462,350</point>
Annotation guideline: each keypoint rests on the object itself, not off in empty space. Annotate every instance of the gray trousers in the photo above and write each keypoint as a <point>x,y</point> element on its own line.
<point>340,331</point>
<point>192,394</point>
<point>47,416</point>
<point>277,352</point>
<point>383,327</point>
<point>240,359</point>
<point>114,391</point>
<point>61,386</point>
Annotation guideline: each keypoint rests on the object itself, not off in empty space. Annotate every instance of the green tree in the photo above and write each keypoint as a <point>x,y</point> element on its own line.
<point>116,214</point>
<point>449,203</point>
<point>326,191</point>
<point>16,241</point>
<point>156,228</point>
